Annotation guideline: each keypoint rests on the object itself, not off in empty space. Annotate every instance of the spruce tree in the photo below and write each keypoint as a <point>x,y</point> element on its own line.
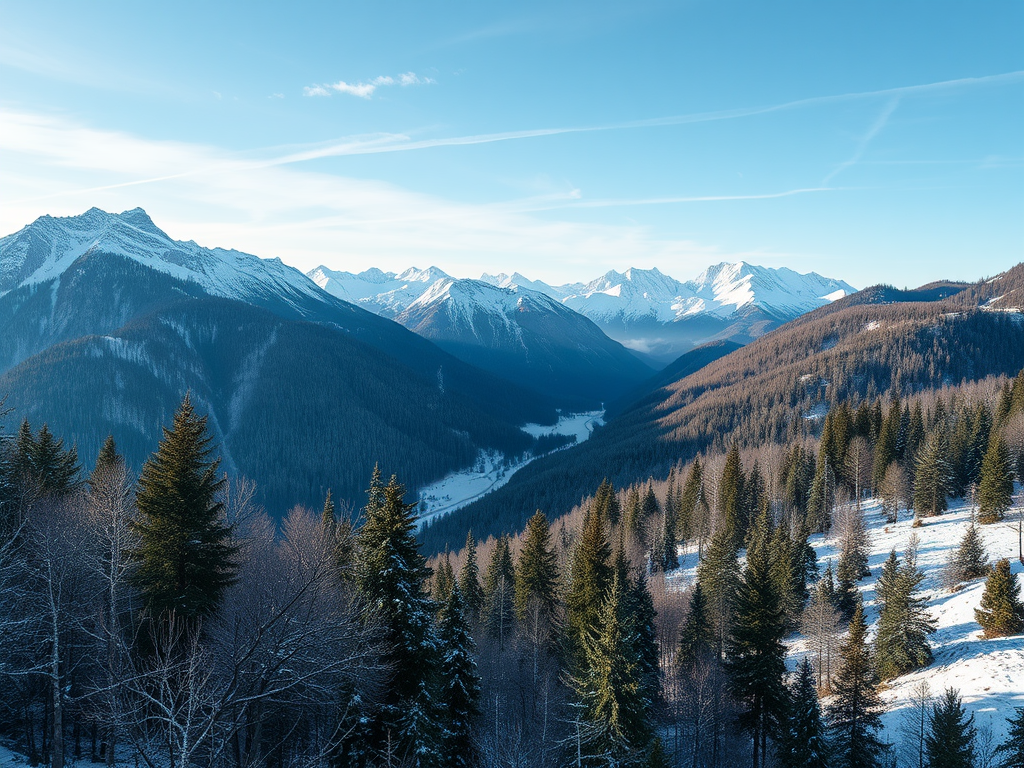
<point>786,573</point>
<point>643,633</point>
<point>43,465</point>
<point>950,741</point>
<point>184,556</point>
<point>391,576</point>
<point>444,581</point>
<point>755,655</point>
<point>886,448</point>
<point>469,582</point>
<point>589,578</point>
<point>932,476</point>
<point>1011,751</point>
<point>730,496</point>
<point>692,498</point>
<point>971,559</point>
<point>499,592</point>
<point>995,491</point>
<point>107,459</point>
<point>854,713</point>
<point>460,684</point>
<point>697,637</point>
<point>805,744</point>
<point>610,688</point>
<point>632,511</point>
<point>1001,612</point>
<point>822,496</point>
<point>606,503</point>
<point>901,643</point>
<point>718,574</point>
<point>536,580</point>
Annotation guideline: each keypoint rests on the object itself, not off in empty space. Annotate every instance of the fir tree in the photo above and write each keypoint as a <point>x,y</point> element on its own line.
<point>697,638</point>
<point>641,613</point>
<point>668,555</point>
<point>1011,751</point>
<point>730,496</point>
<point>606,503</point>
<point>444,581</point>
<point>950,742</point>
<point>755,655</point>
<point>786,573</point>
<point>692,498</point>
<point>391,576</point>
<point>632,512</point>
<point>610,688</point>
<point>589,578</point>
<point>854,713</point>
<point>107,459</point>
<point>901,644</point>
<point>184,555</point>
<point>1001,612</point>
<point>718,575</point>
<point>469,582</point>
<point>886,448</point>
<point>460,684</point>
<point>499,592</point>
<point>847,596</point>
<point>804,745</point>
<point>995,491</point>
<point>822,496</point>
<point>971,560</point>
<point>536,580</point>
<point>931,476</point>
<point>43,465</point>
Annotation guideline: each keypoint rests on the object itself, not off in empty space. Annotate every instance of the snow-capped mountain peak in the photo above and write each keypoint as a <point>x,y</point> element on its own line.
<point>45,249</point>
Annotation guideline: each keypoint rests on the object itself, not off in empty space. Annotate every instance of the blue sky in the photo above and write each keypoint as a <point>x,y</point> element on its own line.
<point>868,141</point>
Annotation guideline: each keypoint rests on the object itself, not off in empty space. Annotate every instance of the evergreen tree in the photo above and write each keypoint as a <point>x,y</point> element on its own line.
<point>854,713</point>
<point>184,555</point>
<point>847,596</point>
<point>805,745</point>
<point>1011,751</point>
<point>950,743</point>
<point>43,465</point>
<point>589,578</point>
<point>107,459</point>
<point>995,491</point>
<point>755,655</point>
<point>610,688</point>
<point>901,644</point>
<point>717,574</point>
<point>536,579</point>
<point>886,448</point>
<point>1001,612</point>
<point>632,512</point>
<point>915,433</point>
<point>606,503</point>
<point>971,560</point>
<point>730,496</point>
<point>931,476</point>
<point>391,576</point>
<point>643,633</point>
<point>692,498</point>
<point>444,581</point>
<point>469,582</point>
<point>697,638</point>
<point>786,573</point>
<point>822,497</point>
<point>460,684</point>
<point>499,592</point>
<point>667,556</point>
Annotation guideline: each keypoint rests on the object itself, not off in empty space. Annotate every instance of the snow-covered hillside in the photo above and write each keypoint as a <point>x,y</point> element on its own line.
<point>988,673</point>
<point>47,247</point>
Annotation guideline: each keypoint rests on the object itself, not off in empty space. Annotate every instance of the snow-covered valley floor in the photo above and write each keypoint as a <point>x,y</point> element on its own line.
<point>988,673</point>
<point>492,469</point>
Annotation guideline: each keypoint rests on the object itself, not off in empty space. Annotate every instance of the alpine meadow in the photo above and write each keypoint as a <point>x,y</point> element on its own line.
<point>550,385</point>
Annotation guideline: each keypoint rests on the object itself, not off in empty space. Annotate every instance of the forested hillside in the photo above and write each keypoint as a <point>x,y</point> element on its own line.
<point>776,389</point>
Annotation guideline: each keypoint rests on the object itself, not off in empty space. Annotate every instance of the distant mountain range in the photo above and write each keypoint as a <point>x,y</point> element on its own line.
<point>649,312</point>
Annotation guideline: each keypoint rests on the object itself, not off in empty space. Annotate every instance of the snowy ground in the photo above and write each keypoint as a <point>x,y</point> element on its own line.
<point>492,469</point>
<point>988,673</point>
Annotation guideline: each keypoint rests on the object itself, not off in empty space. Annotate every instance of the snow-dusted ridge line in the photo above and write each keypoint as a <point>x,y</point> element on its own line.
<point>492,469</point>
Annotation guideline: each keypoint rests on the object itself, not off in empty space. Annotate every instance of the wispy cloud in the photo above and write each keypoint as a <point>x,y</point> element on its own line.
<point>367,89</point>
<point>862,145</point>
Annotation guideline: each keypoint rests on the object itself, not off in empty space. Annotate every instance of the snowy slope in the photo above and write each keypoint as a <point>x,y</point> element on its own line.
<point>988,673</point>
<point>47,247</point>
<point>385,293</point>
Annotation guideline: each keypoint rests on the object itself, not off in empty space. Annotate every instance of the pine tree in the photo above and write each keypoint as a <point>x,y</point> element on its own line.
<point>536,580</point>
<point>995,491</point>
<point>499,592</point>
<point>606,503</point>
<point>854,713</point>
<point>184,553</point>
<point>717,574</point>
<point>589,578</point>
<point>901,643</point>
<point>632,511</point>
<point>822,496</point>
<point>932,476</point>
<point>804,745</point>
<point>786,573</point>
<point>730,496</point>
<point>641,613</point>
<point>460,684</point>
<point>971,559</point>
<point>950,743</point>
<point>1011,751</point>
<point>1001,612</point>
<point>847,596</point>
<point>886,448</point>
<point>697,638</point>
<point>469,582</point>
<point>43,465</point>
<point>692,498</point>
<point>391,576</point>
<point>444,581</point>
<point>610,688</point>
<point>107,459</point>
<point>755,655</point>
